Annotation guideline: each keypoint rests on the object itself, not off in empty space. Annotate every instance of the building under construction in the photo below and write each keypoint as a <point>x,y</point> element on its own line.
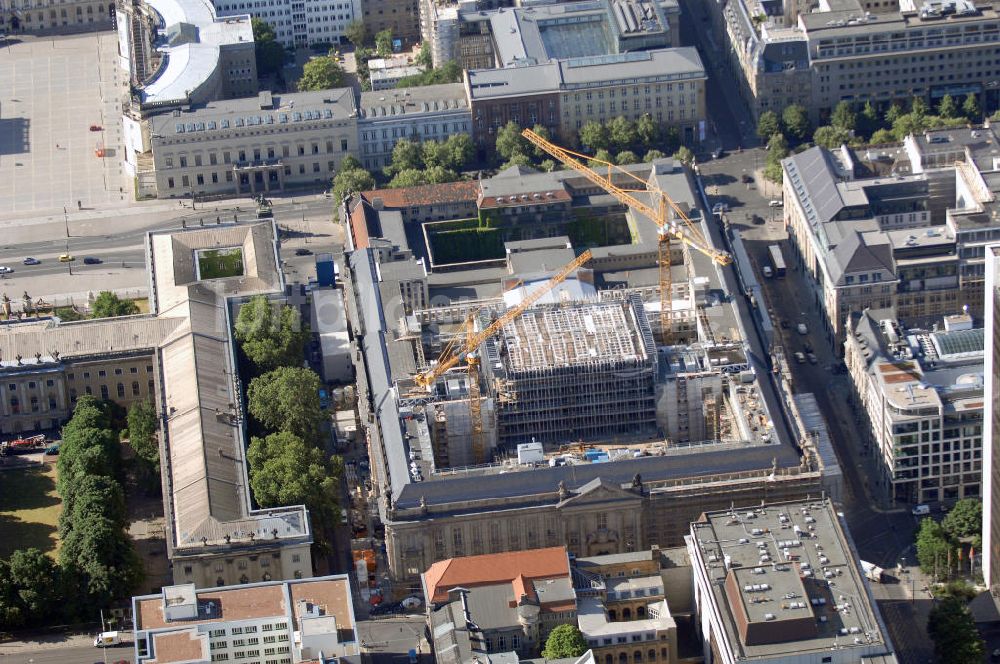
<point>584,371</point>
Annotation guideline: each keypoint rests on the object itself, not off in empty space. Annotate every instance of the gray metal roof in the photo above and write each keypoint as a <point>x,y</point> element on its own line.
<point>669,64</point>
<point>513,81</point>
<point>425,100</point>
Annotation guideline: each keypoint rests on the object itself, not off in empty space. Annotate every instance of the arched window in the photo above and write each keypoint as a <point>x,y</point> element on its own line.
<point>626,614</point>
<point>623,658</point>
<point>652,654</point>
<point>612,615</point>
<point>609,659</point>
<point>640,612</point>
<point>637,656</point>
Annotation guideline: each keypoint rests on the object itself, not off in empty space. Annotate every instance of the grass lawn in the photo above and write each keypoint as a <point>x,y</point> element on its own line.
<point>29,510</point>
<point>220,263</point>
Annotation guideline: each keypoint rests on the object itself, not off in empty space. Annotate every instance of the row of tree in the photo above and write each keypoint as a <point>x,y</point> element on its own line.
<point>941,547</point>
<point>97,563</point>
<point>287,461</point>
<point>429,162</point>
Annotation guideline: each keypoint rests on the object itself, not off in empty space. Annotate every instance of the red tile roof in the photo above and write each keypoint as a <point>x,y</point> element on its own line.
<point>428,194</point>
<point>519,568</point>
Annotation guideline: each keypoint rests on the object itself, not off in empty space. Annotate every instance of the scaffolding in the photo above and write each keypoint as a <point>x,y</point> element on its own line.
<point>584,371</point>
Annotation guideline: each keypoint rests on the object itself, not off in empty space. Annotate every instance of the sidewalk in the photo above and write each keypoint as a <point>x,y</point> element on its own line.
<point>54,641</point>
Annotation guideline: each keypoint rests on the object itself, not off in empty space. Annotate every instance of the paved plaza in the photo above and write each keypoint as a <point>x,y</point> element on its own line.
<point>51,91</point>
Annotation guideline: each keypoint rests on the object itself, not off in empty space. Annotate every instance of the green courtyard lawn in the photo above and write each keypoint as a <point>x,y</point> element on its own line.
<point>29,509</point>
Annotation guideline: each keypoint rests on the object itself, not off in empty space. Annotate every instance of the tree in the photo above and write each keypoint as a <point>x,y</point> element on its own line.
<point>30,589</point>
<point>653,154</point>
<point>423,58</point>
<point>439,175</point>
<point>406,154</point>
<point>932,547</point>
<point>965,519</point>
<point>843,116</point>
<point>918,106</point>
<point>109,305</point>
<point>510,142</point>
<point>383,43</point>
<point>647,132</point>
<point>626,157</point>
<point>543,133</point>
<point>142,428</point>
<point>93,494</point>
<point>449,72</point>
<point>452,154</point>
<point>893,114</point>
<point>350,181</point>
<point>869,120</point>
<point>287,399</point>
<point>622,133</point>
<point>270,54</point>
<point>361,57</point>
<point>956,639</point>
<point>547,165</point>
<point>777,149</point>
<point>516,160</point>
<point>284,470</point>
<point>971,108</point>
<point>410,177</point>
<point>882,136</point>
<point>684,155</point>
<point>601,157</point>
<point>564,641</point>
<point>831,137</point>
<point>100,551</point>
<point>595,136</point>
<point>796,121</point>
<point>270,336</point>
<point>356,33</point>
<point>947,108</point>
<point>768,125</point>
<point>320,73</point>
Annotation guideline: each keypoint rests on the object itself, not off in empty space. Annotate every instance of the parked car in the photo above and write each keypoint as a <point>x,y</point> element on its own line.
<point>785,324</point>
<point>719,208</point>
<point>758,220</point>
<point>767,271</point>
<point>52,450</point>
<point>106,639</point>
<point>799,357</point>
<point>302,251</point>
<point>412,603</point>
<point>776,203</point>
<point>5,270</point>
<point>92,260</point>
<point>921,510</point>
<point>812,358</point>
<point>807,347</point>
<point>96,127</point>
<point>66,258</point>
<point>803,330</point>
<point>31,261</point>
<point>746,179</point>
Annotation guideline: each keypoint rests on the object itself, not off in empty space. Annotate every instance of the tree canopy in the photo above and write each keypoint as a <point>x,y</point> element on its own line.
<point>965,519</point>
<point>356,32</point>
<point>321,73</point>
<point>768,124</point>
<point>287,399</point>
<point>844,117</point>
<point>956,639</point>
<point>31,590</point>
<point>383,43</point>
<point>795,119</point>
<point>351,180</point>
<point>449,72</point>
<point>109,305</point>
<point>564,641</point>
<point>270,54</point>
<point>269,335</point>
<point>933,547</point>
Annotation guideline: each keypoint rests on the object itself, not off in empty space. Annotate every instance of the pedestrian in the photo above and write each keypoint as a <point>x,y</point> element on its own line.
<point>79,205</point>
<point>57,146</point>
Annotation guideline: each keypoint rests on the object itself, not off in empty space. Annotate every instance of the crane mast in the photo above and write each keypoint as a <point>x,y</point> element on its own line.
<point>677,227</point>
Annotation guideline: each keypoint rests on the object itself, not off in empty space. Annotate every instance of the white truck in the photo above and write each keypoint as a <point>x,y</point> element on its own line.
<point>107,639</point>
<point>872,571</point>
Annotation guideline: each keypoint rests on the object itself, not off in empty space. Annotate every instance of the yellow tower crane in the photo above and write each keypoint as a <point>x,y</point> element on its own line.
<point>456,351</point>
<point>679,227</point>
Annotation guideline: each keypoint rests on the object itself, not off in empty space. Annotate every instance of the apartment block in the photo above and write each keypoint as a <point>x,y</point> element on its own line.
<point>289,622</point>
<point>780,582</point>
<point>846,50</point>
<point>910,242</point>
<point>921,396</point>
<point>401,17</point>
<point>428,113</point>
<point>255,145</point>
<point>300,23</point>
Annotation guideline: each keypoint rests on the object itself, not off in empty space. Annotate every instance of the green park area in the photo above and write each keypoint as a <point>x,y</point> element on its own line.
<point>29,510</point>
<point>464,240</point>
<point>220,263</point>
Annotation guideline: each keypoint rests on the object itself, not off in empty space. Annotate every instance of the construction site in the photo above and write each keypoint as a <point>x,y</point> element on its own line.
<point>552,376</point>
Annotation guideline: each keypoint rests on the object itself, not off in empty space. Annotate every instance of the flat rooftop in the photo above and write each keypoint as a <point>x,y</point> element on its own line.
<point>583,334</point>
<point>785,581</point>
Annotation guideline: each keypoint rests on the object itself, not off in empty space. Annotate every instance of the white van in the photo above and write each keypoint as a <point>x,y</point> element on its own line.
<point>921,510</point>
<point>106,639</point>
